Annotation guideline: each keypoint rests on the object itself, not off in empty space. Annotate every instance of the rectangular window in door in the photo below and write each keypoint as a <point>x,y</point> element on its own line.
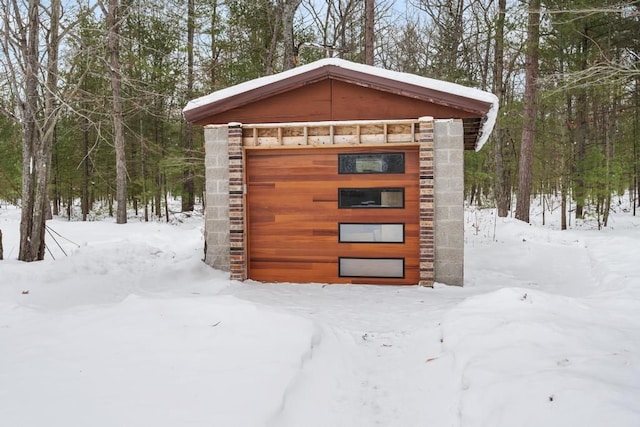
<point>371,233</point>
<point>370,198</point>
<point>371,267</point>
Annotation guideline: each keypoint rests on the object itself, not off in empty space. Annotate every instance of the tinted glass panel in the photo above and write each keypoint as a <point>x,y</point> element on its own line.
<point>372,233</point>
<point>371,163</point>
<point>371,197</point>
<point>371,267</point>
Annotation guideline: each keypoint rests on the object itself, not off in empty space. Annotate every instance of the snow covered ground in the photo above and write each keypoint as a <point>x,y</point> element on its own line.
<point>130,328</point>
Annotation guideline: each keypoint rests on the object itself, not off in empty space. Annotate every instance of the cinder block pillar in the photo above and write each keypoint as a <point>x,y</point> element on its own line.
<point>237,247</point>
<point>426,140</point>
<point>216,228</point>
<point>449,202</point>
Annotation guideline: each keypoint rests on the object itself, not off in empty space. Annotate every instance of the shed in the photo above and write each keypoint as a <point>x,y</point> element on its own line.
<point>338,172</point>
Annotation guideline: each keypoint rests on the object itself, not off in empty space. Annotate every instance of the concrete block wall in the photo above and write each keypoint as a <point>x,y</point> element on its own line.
<point>216,228</point>
<point>449,202</point>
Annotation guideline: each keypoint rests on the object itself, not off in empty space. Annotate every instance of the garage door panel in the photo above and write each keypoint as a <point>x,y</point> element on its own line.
<point>311,239</point>
<point>287,271</point>
<point>305,221</point>
<point>315,272</point>
<point>293,215</point>
<point>300,254</point>
<point>299,250</point>
<point>368,215</point>
<point>319,272</point>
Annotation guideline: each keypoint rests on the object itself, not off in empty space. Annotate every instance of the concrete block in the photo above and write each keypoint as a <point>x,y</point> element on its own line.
<point>456,212</point>
<point>442,212</point>
<point>448,253</point>
<point>217,172</point>
<point>441,157</point>
<point>219,239</point>
<point>449,235</point>
<point>222,186</point>
<point>446,185</point>
<point>449,128</point>
<point>216,133</point>
<point>449,170</point>
<point>218,225</point>
<point>218,258</point>
<point>210,213</point>
<point>210,162</point>
<point>451,269</point>
<point>457,157</point>
<point>217,199</point>
<point>448,198</point>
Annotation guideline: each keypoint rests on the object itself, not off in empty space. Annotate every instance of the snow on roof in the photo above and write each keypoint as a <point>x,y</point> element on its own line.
<point>433,84</point>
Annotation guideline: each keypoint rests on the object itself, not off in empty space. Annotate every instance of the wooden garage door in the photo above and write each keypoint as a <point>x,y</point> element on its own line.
<point>310,220</point>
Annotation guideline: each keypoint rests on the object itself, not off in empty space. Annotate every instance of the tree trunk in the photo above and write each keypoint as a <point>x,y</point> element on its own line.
<point>84,203</point>
<point>606,209</point>
<point>525,171</point>
<point>143,173</point>
<point>34,161</point>
<point>274,17</point>
<point>56,182</point>
<point>214,48</point>
<point>289,8</point>
<point>166,204</point>
<point>188,193</point>
<point>581,137</point>
<point>636,160</point>
<point>158,196</point>
<point>563,206</point>
<point>503,186</point>
<point>369,36</point>
<point>1,249</point>
<point>113,27</point>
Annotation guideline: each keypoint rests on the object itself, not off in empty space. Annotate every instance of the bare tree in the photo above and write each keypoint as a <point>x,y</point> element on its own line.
<point>525,171</point>
<point>113,47</point>
<point>447,17</point>
<point>34,166</point>
<point>408,49</point>
<point>335,21</point>
<point>23,63</point>
<point>289,8</point>
<point>369,36</point>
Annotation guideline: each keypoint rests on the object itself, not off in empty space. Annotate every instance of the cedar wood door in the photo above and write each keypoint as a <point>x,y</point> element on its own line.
<point>293,215</point>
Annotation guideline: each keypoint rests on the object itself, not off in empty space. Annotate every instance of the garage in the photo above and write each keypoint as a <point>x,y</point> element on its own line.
<point>337,172</point>
<point>335,215</point>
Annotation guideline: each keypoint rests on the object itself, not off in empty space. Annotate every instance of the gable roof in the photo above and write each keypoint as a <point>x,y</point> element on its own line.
<point>475,103</point>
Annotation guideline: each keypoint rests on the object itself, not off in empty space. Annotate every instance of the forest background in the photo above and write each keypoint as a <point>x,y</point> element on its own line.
<point>91,92</point>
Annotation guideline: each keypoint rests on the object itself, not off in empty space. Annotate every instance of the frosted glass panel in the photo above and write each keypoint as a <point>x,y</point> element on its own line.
<point>382,233</point>
<point>372,267</point>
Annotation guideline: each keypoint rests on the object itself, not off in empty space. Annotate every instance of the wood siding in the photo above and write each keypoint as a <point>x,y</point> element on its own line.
<point>334,100</point>
<point>293,215</point>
